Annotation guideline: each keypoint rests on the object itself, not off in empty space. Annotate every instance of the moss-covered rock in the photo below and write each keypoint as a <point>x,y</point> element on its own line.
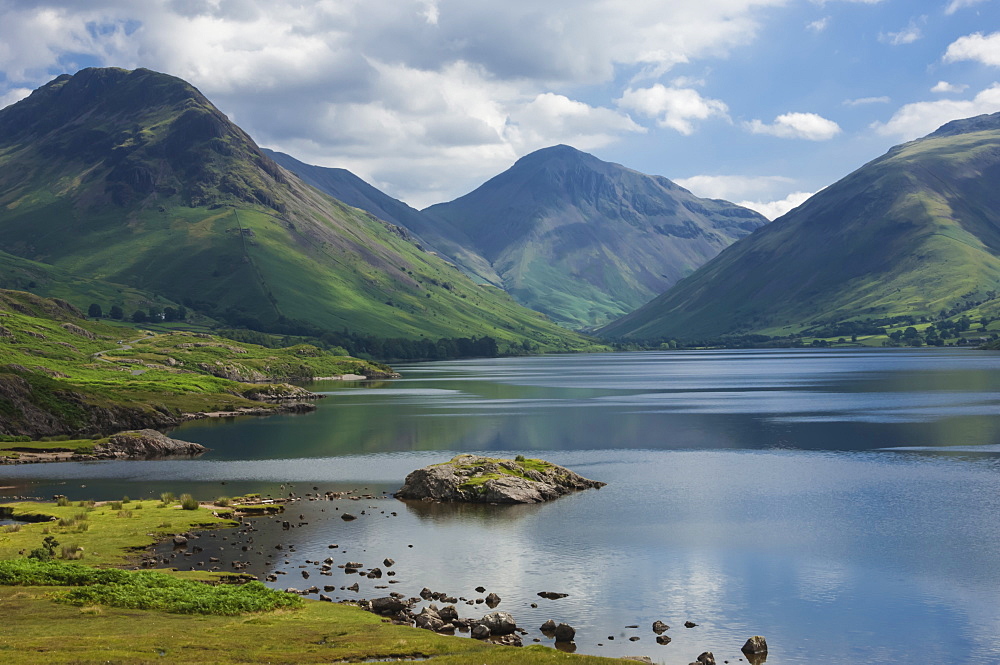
<point>475,479</point>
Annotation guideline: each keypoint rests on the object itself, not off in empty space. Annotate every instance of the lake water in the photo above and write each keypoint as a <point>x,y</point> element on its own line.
<point>844,504</point>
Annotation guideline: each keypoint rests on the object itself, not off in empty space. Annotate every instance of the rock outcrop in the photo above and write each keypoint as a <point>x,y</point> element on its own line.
<point>144,444</point>
<point>475,479</point>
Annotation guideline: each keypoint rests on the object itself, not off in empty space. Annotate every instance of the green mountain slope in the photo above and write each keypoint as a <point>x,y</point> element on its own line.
<point>914,233</point>
<point>435,235</point>
<point>586,241</point>
<point>135,178</point>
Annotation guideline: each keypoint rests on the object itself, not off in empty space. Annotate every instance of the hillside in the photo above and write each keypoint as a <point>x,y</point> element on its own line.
<point>61,374</point>
<point>914,233</point>
<point>444,239</point>
<point>135,178</point>
<point>586,241</point>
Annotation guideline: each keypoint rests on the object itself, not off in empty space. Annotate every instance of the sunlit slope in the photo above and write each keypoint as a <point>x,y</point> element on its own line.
<point>586,241</point>
<point>911,233</point>
<point>133,177</point>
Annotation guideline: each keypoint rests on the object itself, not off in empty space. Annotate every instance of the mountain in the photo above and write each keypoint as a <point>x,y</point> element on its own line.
<point>586,241</point>
<point>442,238</point>
<point>913,233</point>
<point>135,178</point>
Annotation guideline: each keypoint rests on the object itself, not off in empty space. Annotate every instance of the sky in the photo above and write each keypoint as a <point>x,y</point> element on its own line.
<point>760,102</point>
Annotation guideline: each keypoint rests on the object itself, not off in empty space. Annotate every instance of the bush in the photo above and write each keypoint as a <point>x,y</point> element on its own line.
<point>223,502</point>
<point>167,498</point>
<point>116,505</point>
<point>188,502</point>
<point>62,501</point>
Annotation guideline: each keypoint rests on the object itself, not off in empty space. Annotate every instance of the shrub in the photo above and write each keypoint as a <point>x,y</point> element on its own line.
<point>116,505</point>
<point>223,502</point>
<point>167,498</point>
<point>12,528</point>
<point>61,500</point>
<point>125,499</point>
<point>188,502</point>
<point>71,552</point>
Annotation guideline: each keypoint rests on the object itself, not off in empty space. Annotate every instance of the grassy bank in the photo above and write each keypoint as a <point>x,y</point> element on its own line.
<point>42,625</point>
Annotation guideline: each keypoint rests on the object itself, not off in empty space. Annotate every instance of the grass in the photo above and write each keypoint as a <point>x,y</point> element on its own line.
<point>113,536</point>
<point>47,350</point>
<point>69,613</point>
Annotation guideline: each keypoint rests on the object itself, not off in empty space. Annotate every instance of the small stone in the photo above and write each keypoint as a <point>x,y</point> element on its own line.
<point>480,632</point>
<point>548,627</point>
<point>663,639</point>
<point>690,624</point>
<point>707,658</point>
<point>659,627</point>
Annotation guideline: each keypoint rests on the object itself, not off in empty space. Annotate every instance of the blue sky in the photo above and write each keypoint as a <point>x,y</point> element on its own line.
<point>757,101</point>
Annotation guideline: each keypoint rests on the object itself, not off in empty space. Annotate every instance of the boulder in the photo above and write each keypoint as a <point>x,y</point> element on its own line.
<point>146,444</point>
<point>499,623</point>
<point>480,632</point>
<point>755,645</point>
<point>565,633</point>
<point>659,627</point>
<point>476,479</point>
<point>548,627</point>
<point>707,658</point>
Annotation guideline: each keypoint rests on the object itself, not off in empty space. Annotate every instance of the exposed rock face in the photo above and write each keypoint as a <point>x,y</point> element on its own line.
<point>146,443</point>
<point>475,479</point>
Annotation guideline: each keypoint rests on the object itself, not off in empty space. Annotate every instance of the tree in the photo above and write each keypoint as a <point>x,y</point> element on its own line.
<point>169,314</point>
<point>139,316</point>
<point>117,312</point>
<point>94,311</point>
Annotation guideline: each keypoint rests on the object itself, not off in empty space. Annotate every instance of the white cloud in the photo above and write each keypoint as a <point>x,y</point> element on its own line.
<point>774,209</point>
<point>944,86</point>
<point>733,187</point>
<point>13,95</point>
<point>955,5</point>
<point>865,101</point>
<point>809,126</point>
<point>675,108</point>
<point>907,35</point>
<point>395,88</point>
<point>915,120</point>
<point>819,25</point>
<point>977,47</point>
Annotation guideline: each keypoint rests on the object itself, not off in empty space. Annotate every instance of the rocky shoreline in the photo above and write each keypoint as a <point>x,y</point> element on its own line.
<point>134,444</point>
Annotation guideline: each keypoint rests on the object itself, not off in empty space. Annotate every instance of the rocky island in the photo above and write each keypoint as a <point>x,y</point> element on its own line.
<point>476,479</point>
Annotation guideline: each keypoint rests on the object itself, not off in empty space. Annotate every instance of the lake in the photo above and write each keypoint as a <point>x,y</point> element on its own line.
<point>844,504</point>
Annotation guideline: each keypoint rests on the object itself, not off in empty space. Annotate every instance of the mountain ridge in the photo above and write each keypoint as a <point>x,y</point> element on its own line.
<point>911,233</point>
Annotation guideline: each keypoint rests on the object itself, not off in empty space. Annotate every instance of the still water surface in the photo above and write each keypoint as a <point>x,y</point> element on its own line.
<point>846,505</point>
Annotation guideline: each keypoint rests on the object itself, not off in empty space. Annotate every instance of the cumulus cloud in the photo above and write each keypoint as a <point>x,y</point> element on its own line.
<point>977,47</point>
<point>675,108</point>
<point>865,101</point>
<point>809,126</point>
<point>944,87</point>
<point>955,5</point>
<point>396,88</point>
<point>918,119</point>
<point>775,209</point>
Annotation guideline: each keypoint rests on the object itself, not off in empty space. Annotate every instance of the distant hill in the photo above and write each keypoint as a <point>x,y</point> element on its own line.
<point>341,184</point>
<point>586,241</point>
<point>135,178</point>
<point>913,233</point>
